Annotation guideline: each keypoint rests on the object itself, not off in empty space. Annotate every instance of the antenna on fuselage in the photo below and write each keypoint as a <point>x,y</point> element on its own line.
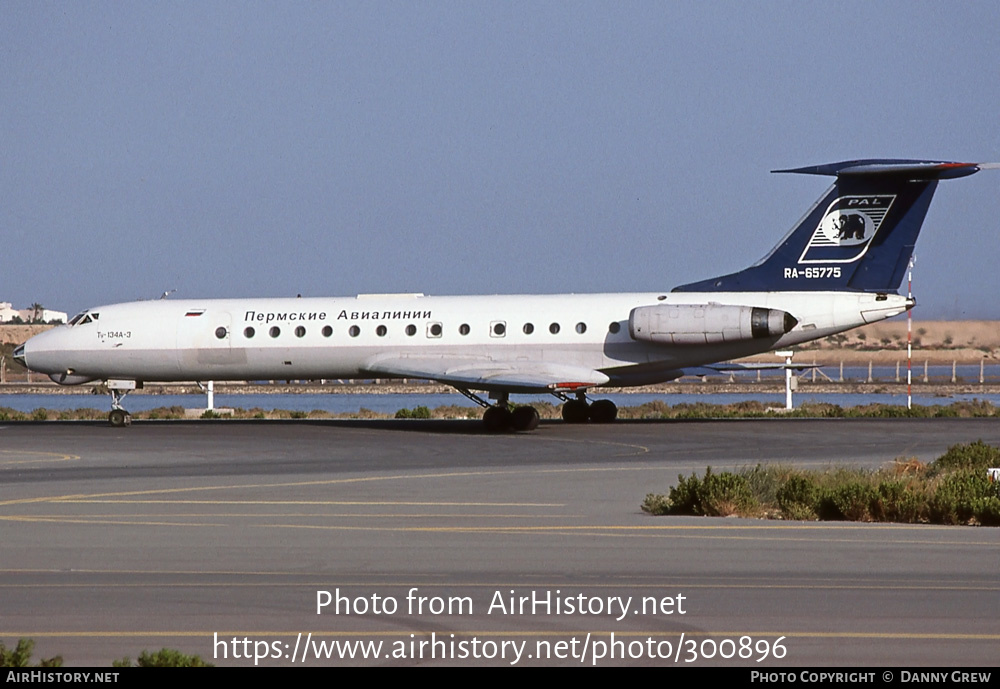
<point>167,293</point>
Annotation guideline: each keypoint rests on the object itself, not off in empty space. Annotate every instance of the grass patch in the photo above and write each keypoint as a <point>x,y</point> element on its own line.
<point>953,489</point>
<point>658,409</point>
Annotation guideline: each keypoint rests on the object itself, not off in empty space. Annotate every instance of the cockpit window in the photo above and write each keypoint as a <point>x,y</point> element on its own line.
<point>84,317</point>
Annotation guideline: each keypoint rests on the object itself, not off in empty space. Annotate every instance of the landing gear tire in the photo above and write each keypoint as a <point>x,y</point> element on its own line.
<point>497,419</point>
<point>119,418</point>
<point>524,419</point>
<point>603,411</point>
<point>575,411</point>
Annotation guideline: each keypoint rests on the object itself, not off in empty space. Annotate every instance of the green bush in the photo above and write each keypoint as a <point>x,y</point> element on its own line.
<point>656,504</point>
<point>852,501</point>
<point>684,498</point>
<point>20,656</point>
<point>986,510</point>
<point>716,495</point>
<point>765,480</point>
<point>977,456</point>
<point>799,498</point>
<point>165,657</point>
<point>8,414</point>
<point>959,494</point>
<point>898,500</point>
<point>727,494</point>
<point>420,412</point>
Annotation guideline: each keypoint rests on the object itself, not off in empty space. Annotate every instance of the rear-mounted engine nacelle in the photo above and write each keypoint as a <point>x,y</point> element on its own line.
<point>689,324</point>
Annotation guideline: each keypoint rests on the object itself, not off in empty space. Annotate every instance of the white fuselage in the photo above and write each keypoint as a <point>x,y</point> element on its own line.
<point>250,339</point>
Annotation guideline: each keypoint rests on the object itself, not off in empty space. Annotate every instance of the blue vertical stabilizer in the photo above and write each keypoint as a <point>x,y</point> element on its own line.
<point>858,236</point>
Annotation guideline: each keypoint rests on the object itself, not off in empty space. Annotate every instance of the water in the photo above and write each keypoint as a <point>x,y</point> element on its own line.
<point>389,404</point>
<point>965,373</point>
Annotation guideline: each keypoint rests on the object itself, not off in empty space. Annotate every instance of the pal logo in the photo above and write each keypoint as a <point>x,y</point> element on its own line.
<point>847,229</point>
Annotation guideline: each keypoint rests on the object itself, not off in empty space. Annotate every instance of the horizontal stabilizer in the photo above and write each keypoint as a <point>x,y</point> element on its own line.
<point>911,169</point>
<point>719,369</point>
<point>726,367</point>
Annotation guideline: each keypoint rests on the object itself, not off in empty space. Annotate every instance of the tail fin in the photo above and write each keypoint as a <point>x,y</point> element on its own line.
<point>859,235</point>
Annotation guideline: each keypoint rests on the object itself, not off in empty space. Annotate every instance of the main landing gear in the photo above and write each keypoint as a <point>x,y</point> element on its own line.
<point>501,416</point>
<point>578,411</point>
<point>119,416</point>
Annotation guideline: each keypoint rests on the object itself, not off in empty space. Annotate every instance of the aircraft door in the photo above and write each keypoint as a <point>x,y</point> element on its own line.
<point>204,341</point>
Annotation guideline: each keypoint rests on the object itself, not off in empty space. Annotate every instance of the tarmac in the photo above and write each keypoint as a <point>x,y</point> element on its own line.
<point>428,540</point>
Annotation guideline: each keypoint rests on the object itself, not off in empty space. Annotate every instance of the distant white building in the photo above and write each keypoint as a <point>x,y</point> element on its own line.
<point>44,315</point>
<point>8,313</point>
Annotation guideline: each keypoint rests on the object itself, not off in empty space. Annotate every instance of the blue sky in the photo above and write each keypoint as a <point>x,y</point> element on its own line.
<point>335,148</point>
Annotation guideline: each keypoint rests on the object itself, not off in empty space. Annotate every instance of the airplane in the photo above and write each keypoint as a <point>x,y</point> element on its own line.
<point>838,268</point>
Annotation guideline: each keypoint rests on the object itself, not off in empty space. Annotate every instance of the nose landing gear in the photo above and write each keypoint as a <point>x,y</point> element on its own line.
<point>119,416</point>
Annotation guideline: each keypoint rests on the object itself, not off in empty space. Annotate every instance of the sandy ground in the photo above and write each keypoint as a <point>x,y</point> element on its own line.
<point>939,342</point>
<point>16,334</point>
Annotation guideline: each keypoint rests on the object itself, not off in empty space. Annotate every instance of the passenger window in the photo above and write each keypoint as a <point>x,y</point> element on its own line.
<point>249,332</point>
<point>498,328</point>
<point>554,328</point>
<point>464,329</point>
<point>354,331</point>
<point>581,328</point>
<point>327,331</point>
<point>434,330</point>
<point>381,331</point>
<point>300,331</point>
<point>221,332</point>
<point>411,330</point>
<point>528,328</point>
<point>614,327</point>
<point>274,331</point>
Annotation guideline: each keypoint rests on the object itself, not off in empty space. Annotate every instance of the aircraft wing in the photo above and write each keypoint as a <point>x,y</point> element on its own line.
<point>474,374</point>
